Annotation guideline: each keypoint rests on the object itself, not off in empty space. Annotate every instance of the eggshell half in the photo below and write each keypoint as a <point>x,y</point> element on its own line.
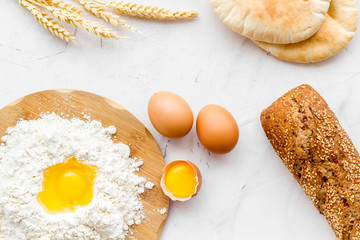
<point>168,193</point>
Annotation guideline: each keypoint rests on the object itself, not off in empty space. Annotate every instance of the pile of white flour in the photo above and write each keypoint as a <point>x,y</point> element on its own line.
<point>32,146</point>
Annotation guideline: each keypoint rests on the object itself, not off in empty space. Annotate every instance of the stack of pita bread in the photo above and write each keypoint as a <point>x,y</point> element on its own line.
<point>301,31</point>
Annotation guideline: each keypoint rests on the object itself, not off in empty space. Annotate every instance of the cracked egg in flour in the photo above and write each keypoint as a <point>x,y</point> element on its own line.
<point>67,185</point>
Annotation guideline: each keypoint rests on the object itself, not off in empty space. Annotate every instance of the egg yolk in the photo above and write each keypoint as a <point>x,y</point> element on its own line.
<point>71,185</point>
<point>181,180</point>
<point>67,185</point>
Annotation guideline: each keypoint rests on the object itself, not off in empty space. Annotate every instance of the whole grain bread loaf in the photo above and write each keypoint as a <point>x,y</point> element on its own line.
<point>309,139</point>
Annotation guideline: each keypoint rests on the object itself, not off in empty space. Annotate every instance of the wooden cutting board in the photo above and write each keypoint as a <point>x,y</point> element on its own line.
<point>130,131</point>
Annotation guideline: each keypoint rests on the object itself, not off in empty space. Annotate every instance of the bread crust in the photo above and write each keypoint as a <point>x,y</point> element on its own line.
<point>309,139</point>
<point>337,30</point>
<point>273,21</point>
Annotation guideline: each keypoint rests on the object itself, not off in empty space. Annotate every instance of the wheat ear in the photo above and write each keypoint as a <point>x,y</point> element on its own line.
<point>64,6</point>
<point>101,12</point>
<point>137,10</point>
<point>79,21</point>
<point>48,23</point>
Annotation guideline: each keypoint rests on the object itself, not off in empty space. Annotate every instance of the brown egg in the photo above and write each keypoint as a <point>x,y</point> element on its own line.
<point>170,114</point>
<point>217,129</point>
<point>181,180</point>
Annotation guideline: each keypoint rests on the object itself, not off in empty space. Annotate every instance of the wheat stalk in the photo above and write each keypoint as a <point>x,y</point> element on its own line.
<point>101,12</point>
<point>70,14</point>
<point>79,21</point>
<point>48,23</point>
<point>137,10</point>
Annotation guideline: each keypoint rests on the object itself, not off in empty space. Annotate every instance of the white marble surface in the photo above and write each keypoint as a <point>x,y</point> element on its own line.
<point>247,194</point>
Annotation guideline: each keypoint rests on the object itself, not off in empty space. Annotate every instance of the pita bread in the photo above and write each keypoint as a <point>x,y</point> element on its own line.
<point>273,21</point>
<point>334,34</point>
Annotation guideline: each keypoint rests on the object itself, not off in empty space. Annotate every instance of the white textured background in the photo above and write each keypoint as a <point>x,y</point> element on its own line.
<point>247,194</point>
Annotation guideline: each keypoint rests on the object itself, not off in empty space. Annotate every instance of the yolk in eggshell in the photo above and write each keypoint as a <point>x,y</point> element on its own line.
<point>67,185</point>
<point>181,180</point>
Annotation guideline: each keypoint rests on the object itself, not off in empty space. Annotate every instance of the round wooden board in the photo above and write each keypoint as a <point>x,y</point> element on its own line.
<point>130,131</point>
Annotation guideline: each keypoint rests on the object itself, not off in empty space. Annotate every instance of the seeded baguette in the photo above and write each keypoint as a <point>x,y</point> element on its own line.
<point>309,139</point>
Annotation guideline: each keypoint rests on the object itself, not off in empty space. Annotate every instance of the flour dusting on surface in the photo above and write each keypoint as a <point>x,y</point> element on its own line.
<point>162,211</point>
<point>149,185</point>
<point>32,146</point>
